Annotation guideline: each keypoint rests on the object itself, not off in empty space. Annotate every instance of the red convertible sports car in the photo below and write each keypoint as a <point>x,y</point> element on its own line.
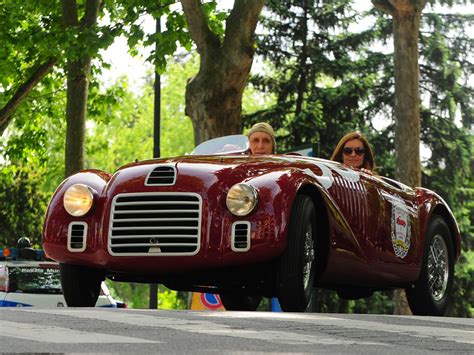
<point>247,227</point>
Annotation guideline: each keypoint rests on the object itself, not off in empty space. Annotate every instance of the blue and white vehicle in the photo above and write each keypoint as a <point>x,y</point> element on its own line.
<point>27,280</point>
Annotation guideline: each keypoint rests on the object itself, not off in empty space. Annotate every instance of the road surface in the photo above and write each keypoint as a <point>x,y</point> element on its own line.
<point>76,330</point>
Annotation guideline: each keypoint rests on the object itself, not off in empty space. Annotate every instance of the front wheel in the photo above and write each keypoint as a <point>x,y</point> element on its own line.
<point>296,266</point>
<point>81,285</point>
<point>239,302</point>
<point>429,295</point>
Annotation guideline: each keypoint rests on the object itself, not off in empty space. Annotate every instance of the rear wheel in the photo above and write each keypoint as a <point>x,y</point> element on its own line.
<point>296,268</point>
<point>239,302</point>
<point>430,293</point>
<point>81,285</point>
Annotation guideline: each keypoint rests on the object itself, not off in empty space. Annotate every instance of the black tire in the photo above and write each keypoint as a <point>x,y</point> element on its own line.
<point>239,302</point>
<point>81,285</point>
<point>296,265</point>
<point>429,296</point>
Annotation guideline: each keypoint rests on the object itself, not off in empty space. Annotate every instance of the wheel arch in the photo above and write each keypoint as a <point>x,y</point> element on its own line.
<point>430,204</point>
<point>442,211</point>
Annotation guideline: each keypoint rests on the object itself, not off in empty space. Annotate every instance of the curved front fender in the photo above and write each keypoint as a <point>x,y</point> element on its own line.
<point>57,220</point>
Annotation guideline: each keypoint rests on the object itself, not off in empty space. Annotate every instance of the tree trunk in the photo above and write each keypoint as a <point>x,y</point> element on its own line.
<point>406,24</point>
<point>214,101</point>
<point>153,304</point>
<point>214,95</point>
<point>407,98</point>
<point>76,108</point>
<point>302,63</point>
<point>78,72</point>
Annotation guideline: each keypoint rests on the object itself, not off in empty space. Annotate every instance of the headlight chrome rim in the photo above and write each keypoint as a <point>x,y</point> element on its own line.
<point>78,200</point>
<point>241,199</point>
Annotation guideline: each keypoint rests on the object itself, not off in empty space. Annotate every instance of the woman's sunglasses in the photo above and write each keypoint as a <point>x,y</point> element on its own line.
<point>348,151</point>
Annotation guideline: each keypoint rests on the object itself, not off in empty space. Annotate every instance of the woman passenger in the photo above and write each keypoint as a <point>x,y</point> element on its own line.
<point>354,150</point>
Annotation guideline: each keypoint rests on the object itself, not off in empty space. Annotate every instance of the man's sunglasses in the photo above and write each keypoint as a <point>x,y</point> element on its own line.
<point>348,151</point>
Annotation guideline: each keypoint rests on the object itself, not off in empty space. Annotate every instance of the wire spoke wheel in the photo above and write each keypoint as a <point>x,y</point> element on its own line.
<point>438,267</point>
<point>429,295</point>
<point>309,255</point>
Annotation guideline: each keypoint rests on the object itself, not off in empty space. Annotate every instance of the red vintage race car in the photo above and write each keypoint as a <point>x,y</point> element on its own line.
<point>247,227</point>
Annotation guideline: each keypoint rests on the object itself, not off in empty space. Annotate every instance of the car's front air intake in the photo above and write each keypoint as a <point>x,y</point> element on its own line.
<point>162,175</point>
<point>155,224</point>
<point>77,236</point>
<point>240,238</point>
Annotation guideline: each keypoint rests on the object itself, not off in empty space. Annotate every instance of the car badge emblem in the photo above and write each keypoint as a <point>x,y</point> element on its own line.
<point>401,233</point>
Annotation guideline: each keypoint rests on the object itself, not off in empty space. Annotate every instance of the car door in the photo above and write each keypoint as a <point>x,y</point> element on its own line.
<point>357,200</point>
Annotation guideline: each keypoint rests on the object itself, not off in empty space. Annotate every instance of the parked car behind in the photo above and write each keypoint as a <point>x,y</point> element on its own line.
<point>26,279</point>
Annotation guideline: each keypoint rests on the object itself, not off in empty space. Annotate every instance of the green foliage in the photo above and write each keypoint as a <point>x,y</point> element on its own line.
<point>32,160</point>
<point>138,295</point>
<point>29,35</point>
<point>463,303</point>
<point>128,19</point>
<point>23,205</point>
<point>378,303</point>
<point>121,122</point>
<point>318,79</point>
<point>329,302</point>
<point>169,299</point>
<point>134,295</point>
<point>447,119</point>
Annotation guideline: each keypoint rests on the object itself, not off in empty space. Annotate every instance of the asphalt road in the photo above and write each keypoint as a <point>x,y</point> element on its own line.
<point>93,330</point>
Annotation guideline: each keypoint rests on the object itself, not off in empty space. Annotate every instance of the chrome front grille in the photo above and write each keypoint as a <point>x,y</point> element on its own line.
<point>153,224</point>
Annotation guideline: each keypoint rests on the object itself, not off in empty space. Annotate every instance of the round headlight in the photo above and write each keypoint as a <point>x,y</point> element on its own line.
<point>241,199</point>
<point>78,200</point>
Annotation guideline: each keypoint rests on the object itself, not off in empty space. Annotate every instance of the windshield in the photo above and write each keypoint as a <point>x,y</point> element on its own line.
<point>223,145</point>
<point>34,279</point>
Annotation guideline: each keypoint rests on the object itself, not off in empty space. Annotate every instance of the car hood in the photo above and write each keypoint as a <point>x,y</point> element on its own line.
<point>201,170</point>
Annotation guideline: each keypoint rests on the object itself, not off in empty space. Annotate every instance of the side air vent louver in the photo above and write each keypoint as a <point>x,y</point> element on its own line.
<point>240,236</point>
<point>154,224</point>
<point>163,175</point>
<point>77,236</point>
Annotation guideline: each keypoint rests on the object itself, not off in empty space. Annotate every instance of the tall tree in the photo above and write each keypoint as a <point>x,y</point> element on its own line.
<point>406,16</point>
<point>78,73</point>
<point>214,95</point>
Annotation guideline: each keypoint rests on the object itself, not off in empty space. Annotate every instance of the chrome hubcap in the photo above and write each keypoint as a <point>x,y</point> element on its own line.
<point>438,267</point>
<point>308,255</point>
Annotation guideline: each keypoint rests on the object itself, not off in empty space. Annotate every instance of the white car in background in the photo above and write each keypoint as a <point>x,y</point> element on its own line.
<point>26,283</point>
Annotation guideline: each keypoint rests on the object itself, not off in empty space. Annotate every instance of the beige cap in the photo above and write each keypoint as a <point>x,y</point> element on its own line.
<point>265,128</point>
